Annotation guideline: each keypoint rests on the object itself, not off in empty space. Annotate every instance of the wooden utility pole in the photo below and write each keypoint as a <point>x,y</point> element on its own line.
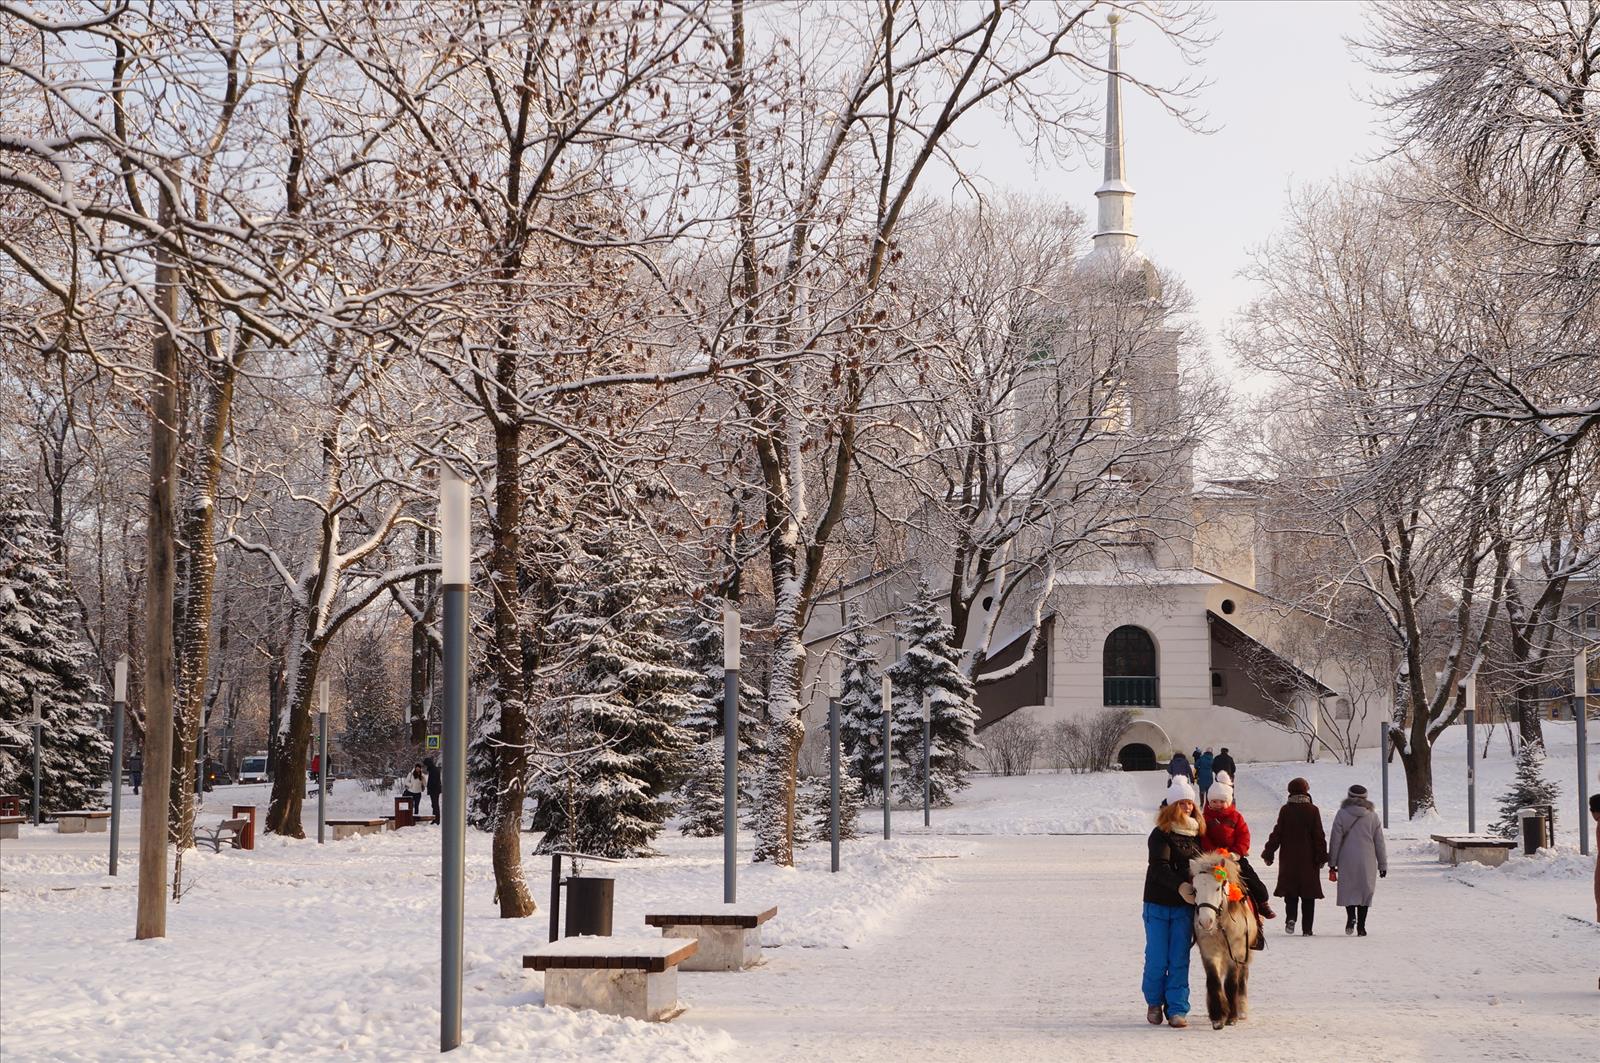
<point>159,584</point>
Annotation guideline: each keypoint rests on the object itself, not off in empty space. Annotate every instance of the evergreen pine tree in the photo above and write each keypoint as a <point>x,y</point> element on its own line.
<point>483,767</point>
<point>701,796</point>
<point>1529,789</point>
<point>374,737</point>
<point>615,748</point>
<point>40,652</point>
<point>813,811</point>
<point>931,665</point>
<point>860,706</point>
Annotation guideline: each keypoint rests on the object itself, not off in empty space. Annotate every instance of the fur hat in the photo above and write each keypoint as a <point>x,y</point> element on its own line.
<point>1221,789</point>
<point>1299,786</point>
<point>1357,793</point>
<point>1179,788</point>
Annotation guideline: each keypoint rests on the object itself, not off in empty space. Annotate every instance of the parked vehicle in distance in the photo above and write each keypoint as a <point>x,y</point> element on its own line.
<point>217,775</point>
<point>254,768</point>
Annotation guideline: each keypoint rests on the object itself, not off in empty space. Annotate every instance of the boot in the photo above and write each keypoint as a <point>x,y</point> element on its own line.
<point>1288,925</point>
<point>1153,1015</point>
<point>1178,1022</point>
<point>1260,942</point>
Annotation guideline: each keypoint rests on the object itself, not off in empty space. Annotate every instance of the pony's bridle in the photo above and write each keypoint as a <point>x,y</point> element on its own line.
<point>1221,927</point>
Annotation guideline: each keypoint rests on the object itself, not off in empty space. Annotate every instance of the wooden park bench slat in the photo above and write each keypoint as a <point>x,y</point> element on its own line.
<point>1476,848</point>
<point>746,919</point>
<point>597,953</point>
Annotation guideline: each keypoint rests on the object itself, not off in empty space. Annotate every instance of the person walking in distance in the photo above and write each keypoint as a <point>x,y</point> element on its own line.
<point>413,786</point>
<point>1298,837</point>
<point>1356,857</point>
<point>1179,765</point>
<point>1223,762</point>
<point>1168,914</point>
<point>435,786</point>
<point>1203,776</point>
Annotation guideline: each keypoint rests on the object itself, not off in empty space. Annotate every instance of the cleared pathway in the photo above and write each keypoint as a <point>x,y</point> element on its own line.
<point>1032,951</point>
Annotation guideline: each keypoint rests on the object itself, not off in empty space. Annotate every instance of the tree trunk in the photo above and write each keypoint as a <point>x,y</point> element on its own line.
<point>151,920</point>
<point>289,779</point>
<point>194,630</point>
<point>505,655</point>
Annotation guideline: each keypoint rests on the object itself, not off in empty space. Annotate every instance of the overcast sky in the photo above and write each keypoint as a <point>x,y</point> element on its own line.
<point>1285,105</point>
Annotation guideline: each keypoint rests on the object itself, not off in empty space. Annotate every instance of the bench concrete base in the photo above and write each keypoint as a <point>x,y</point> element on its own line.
<point>342,831</point>
<point>83,824</point>
<point>646,995</point>
<point>1493,856</point>
<point>722,948</point>
<point>10,830</point>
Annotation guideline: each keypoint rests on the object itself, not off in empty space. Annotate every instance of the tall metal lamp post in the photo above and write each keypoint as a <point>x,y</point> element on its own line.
<point>888,742</point>
<point>927,758</point>
<point>38,741</point>
<point>455,541</point>
<point>730,753</point>
<point>833,777</point>
<point>1472,752</point>
<point>322,758</point>
<point>1580,691</point>
<point>119,703</point>
<point>1383,766</point>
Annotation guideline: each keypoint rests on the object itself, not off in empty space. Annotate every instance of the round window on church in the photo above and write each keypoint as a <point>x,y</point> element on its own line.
<point>1227,605</point>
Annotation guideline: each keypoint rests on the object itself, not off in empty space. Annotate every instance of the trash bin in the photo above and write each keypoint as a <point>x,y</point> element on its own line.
<point>1534,830</point>
<point>589,905</point>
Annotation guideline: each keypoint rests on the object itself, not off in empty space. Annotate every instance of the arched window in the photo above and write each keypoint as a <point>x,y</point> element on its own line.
<point>1130,668</point>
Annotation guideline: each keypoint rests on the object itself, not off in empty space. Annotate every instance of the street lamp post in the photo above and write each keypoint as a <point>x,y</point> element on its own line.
<point>119,702</point>
<point>322,757</point>
<point>1580,690</point>
<point>1383,764</point>
<point>1472,752</point>
<point>833,778</point>
<point>888,740</point>
<point>927,758</point>
<point>38,740</point>
<point>730,753</point>
<point>455,541</point>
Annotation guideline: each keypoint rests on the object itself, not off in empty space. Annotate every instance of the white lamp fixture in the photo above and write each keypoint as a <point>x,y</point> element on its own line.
<point>1472,691</point>
<point>322,696</point>
<point>455,533</point>
<point>38,708</point>
<point>730,638</point>
<point>1580,673</point>
<point>119,681</point>
<point>887,692</point>
<point>927,707</point>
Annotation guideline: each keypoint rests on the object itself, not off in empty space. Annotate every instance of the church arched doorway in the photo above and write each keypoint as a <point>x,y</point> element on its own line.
<point>1136,756</point>
<point>1129,666</point>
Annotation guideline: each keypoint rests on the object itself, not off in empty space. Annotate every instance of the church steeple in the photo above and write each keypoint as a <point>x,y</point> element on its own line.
<point>1115,232</point>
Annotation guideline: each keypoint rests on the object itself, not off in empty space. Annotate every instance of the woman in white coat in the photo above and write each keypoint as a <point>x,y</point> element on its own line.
<point>1356,857</point>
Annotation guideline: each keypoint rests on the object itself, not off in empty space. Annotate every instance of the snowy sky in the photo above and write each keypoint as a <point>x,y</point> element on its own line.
<point>1286,104</point>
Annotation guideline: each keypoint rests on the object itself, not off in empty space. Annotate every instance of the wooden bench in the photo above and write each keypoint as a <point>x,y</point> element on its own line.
<point>633,979</point>
<point>349,828</point>
<point>11,825</point>
<point>82,821</point>
<point>729,935</point>
<point>1477,848</point>
<point>234,829</point>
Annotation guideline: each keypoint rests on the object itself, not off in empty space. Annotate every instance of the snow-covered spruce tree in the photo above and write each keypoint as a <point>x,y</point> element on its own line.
<point>483,767</point>
<point>931,665</point>
<point>860,706</point>
<point>1529,789</point>
<point>374,737</point>
<point>813,811</point>
<point>615,746</point>
<point>39,652</point>
<point>701,795</point>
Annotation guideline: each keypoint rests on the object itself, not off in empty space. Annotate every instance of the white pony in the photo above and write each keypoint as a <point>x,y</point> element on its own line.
<point>1223,925</point>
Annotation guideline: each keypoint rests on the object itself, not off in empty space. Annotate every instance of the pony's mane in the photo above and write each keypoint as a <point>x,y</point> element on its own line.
<point>1206,861</point>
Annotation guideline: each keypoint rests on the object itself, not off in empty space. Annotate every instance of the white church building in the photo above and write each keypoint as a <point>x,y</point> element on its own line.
<point>1177,627</point>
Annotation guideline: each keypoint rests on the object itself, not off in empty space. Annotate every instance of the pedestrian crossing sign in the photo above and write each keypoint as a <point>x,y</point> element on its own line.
<point>433,741</point>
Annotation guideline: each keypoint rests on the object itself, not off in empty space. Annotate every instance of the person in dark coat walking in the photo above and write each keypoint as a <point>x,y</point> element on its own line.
<point>1168,913</point>
<point>136,769</point>
<point>1203,775</point>
<point>1298,837</point>
<point>435,786</point>
<point>1223,762</point>
<point>1179,765</point>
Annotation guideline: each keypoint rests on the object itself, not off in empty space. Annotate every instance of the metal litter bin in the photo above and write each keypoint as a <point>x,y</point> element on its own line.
<point>1535,830</point>
<point>589,905</point>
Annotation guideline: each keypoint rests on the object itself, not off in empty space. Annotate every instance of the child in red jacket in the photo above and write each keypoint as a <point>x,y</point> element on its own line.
<point>1226,829</point>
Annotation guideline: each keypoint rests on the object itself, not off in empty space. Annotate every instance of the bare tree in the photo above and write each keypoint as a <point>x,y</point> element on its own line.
<point>1011,744</point>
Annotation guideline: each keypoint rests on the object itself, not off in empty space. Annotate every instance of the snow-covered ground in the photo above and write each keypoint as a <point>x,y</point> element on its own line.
<point>991,938</point>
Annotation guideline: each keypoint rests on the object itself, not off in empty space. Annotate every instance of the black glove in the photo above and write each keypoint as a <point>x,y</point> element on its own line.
<point>1383,874</point>
<point>1267,860</point>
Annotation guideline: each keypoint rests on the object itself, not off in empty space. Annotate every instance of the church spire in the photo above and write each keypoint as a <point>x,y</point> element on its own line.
<point>1115,231</point>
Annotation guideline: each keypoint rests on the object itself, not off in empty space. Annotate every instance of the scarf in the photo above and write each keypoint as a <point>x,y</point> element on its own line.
<point>1188,826</point>
<point>1299,799</point>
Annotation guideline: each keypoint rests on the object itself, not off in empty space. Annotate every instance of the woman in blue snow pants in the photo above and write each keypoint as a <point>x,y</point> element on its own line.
<point>1168,917</point>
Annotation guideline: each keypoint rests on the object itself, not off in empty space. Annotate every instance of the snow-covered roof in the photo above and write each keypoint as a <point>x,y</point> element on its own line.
<point>1135,577</point>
